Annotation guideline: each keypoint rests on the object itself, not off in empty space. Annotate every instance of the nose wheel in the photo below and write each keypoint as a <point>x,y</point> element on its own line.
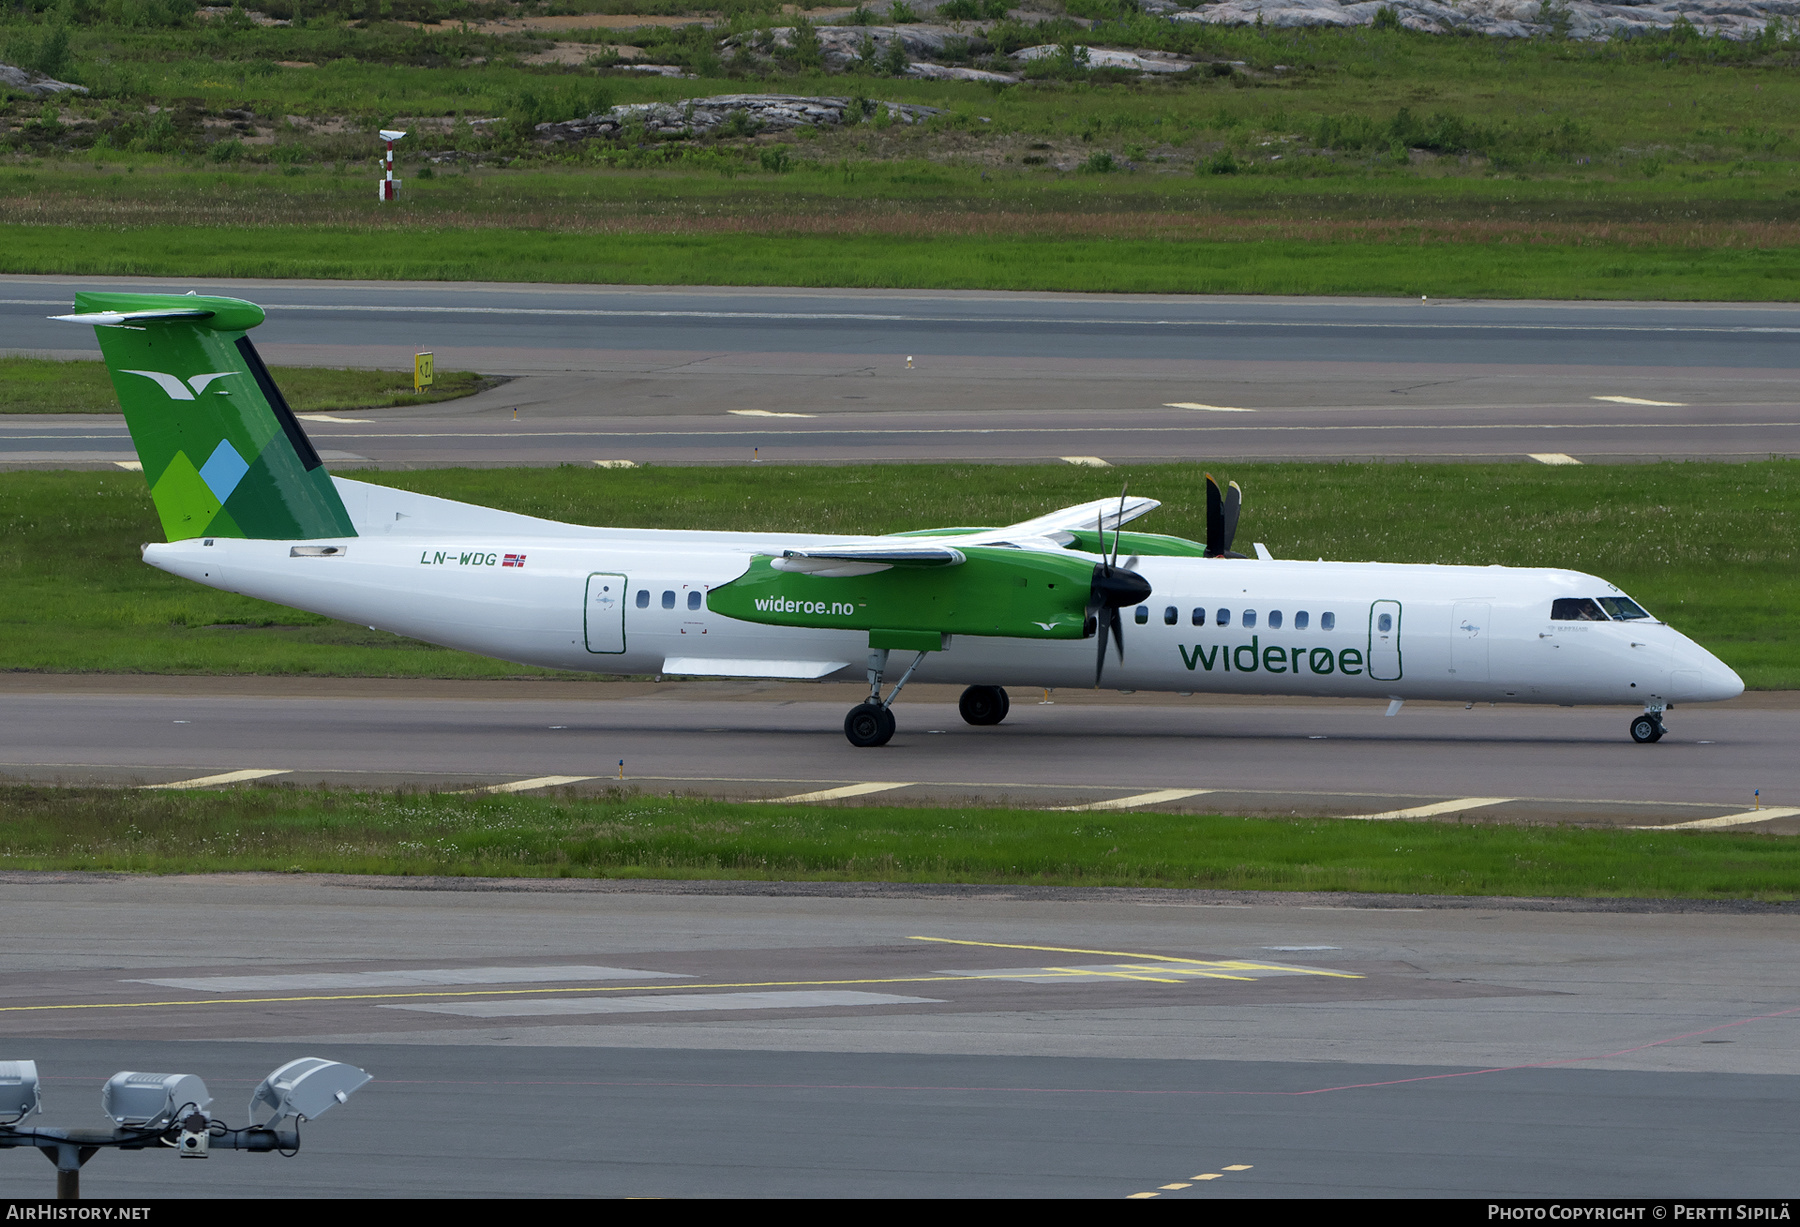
<point>1647,728</point>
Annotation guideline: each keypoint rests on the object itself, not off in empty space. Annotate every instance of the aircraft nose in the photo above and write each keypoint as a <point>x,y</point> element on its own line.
<point>1701,677</point>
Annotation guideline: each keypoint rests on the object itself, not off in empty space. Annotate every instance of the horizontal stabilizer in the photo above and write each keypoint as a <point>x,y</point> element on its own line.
<point>113,319</point>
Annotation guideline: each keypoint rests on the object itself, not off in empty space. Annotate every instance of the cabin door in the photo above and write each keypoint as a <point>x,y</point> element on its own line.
<point>605,614</point>
<point>1469,635</point>
<point>1384,641</point>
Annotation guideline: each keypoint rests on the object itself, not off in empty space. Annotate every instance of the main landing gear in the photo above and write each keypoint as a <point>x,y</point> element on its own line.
<point>1648,727</point>
<point>871,723</point>
<point>982,705</point>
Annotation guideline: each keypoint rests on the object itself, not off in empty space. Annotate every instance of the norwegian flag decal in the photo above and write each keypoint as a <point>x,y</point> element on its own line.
<point>513,560</point>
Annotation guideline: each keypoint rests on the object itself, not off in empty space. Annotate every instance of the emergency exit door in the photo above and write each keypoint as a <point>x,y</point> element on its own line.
<point>604,616</point>
<point>1384,641</point>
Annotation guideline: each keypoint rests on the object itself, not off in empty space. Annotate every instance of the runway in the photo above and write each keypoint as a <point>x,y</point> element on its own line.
<point>742,740</point>
<point>597,1039</point>
<point>706,376</point>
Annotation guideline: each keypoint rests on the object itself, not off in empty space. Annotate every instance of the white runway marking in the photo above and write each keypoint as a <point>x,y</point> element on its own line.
<point>423,977</point>
<point>1432,811</point>
<point>838,794</point>
<point>229,777</point>
<point>130,466</point>
<point>1086,462</point>
<point>1189,404</point>
<point>685,1002</point>
<point>1634,400</point>
<point>1728,820</point>
<point>1553,457</point>
<point>615,464</point>
<point>1150,971</point>
<point>542,781</point>
<point>326,417</point>
<point>768,413</point>
<point>1142,798</point>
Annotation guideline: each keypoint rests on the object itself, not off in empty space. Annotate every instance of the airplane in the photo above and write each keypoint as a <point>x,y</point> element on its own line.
<point>248,507</point>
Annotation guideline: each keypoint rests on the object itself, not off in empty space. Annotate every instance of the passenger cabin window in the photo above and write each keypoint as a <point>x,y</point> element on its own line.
<point>1143,614</point>
<point>669,599</point>
<point>643,598</point>
<point>1384,623</point>
<point>1623,608</point>
<point>1171,616</point>
<point>1224,617</point>
<point>1274,619</point>
<point>1249,617</point>
<point>693,600</point>
<point>1327,621</point>
<point>1301,618</point>
<point>1576,609</point>
<point>1199,617</point>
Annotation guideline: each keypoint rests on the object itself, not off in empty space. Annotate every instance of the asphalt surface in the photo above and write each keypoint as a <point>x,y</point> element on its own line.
<point>657,375</point>
<point>591,1040</point>
<point>768,740</point>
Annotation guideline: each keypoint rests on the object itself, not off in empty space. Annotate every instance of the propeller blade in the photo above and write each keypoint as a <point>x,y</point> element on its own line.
<point>1100,656</point>
<point>1119,522</point>
<point>1215,519</point>
<point>1234,503</point>
<point>1118,633</point>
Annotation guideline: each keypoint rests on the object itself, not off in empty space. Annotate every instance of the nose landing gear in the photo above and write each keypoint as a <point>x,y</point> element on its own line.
<point>1648,727</point>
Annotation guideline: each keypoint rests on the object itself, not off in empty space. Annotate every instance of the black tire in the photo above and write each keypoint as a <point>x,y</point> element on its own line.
<point>1646,729</point>
<point>868,725</point>
<point>983,705</point>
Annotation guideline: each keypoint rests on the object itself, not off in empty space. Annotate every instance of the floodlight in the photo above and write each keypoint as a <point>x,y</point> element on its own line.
<point>152,1101</point>
<point>306,1088</point>
<point>19,1093</point>
<point>388,134</point>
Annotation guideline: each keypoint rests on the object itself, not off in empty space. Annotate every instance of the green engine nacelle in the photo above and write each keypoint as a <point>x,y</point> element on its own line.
<point>1017,594</point>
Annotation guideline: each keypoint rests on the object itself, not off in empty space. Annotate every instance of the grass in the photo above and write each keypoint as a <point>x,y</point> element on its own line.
<point>1382,162</point>
<point>47,385</point>
<point>628,835</point>
<point>1712,548</point>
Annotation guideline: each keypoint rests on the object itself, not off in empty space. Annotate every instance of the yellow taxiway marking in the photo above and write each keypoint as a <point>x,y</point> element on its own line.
<point>1142,798</point>
<point>1635,400</point>
<point>1229,964</point>
<point>1117,975</point>
<point>229,777</point>
<point>1210,1176</point>
<point>1086,462</point>
<point>542,781</point>
<point>1432,811</point>
<point>1240,1167</point>
<point>837,794</point>
<point>615,464</point>
<point>1136,1196</point>
<point>1189,1183</point>
<point>1553,457</point>
<point>1177,1186</point>
<point>1189,404</point>
<point>768,413</point>
<point>1729,820</point>
<point>130,466</point>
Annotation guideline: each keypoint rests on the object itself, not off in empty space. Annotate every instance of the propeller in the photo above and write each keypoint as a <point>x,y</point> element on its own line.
<point>1222,519</point>
<point>1113,588</point>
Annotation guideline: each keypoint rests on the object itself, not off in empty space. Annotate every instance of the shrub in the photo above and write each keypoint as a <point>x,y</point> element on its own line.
<point>1221,163</point>
<point>809,52</point>
<point>900,13</point>
<point>1386,19</point>
<point>227,151</point>
<point>776,160</point>
<point>1099,164</point>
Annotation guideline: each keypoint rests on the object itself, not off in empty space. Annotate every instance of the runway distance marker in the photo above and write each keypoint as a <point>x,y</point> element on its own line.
<point>228,777</point>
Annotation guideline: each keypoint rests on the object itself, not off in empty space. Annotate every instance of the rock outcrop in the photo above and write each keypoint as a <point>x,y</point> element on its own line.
<point>24,81</point>
<point>1580,19</point>
<point>1099,57</point>
<point>760,112</point>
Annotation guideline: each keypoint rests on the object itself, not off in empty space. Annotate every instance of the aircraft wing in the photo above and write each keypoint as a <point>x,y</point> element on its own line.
<point>865,558</point>
<point>1105,513</point>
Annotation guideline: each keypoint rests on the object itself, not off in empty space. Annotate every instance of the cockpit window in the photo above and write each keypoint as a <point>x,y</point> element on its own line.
<point>1575,609</point>
<point>1623,608</point>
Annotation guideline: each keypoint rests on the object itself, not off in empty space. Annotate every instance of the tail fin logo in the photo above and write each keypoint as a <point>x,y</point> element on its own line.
<point>173,385</point>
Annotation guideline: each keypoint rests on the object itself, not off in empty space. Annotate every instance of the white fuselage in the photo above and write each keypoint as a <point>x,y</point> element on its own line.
<point>634,601</point>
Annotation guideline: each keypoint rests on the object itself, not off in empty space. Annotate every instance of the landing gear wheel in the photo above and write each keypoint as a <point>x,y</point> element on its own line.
<point>869,724</point>
<point>1646,729</point>
<point>984,704</point>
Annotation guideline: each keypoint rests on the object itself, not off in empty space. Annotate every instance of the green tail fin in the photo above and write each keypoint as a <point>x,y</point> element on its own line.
<point>221,450</point>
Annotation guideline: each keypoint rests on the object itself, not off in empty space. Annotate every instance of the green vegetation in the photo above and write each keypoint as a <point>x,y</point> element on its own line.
<point>627,835</point>
<point>1337,161</point>
<point>1712,548</point>
<point>45,385</point>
